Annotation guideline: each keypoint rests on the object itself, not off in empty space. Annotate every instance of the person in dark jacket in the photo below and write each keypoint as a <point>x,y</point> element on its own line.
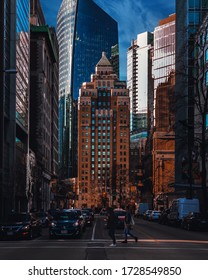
<point>111,224</point>
<point>127,225</point>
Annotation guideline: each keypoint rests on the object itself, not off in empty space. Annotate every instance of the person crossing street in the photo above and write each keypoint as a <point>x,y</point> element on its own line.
<point>127,226</point>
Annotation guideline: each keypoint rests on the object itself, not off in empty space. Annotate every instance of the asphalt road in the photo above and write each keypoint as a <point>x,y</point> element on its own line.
<point>155,242</point>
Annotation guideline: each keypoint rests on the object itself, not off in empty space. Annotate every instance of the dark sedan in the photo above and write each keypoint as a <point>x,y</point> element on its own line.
<point>66,224</point>
<point>20,225</point>
<point>120,215</point>
<point>87,217</point>
<point>195,221</point>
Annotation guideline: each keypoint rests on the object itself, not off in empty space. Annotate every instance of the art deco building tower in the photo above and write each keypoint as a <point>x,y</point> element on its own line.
<point>103,138</point>
<point>84,30</point>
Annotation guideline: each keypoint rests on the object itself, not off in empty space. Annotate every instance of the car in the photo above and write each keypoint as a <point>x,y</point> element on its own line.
<point>164,217</point>
<point>20,225</point>
<point>81,217</point>
<point>103,212</point>
<point>91,212</point>
<point>44,218</point>
<point>87,217</point>
<point>147,214</point>
<point>66,223</point>
<point>195,221</point>
<point>155,215</point>
<point>120,215</point>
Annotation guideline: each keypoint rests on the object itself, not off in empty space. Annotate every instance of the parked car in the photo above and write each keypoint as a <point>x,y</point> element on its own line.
<point>66,223</point>
<point>147,214</point>
<point>180,208</point>
<point>20,225</point>
<point>142,208</point>
<point>155,215</point>
<point>195,221</point>
<point>164,217</point>
<point>91,212</point>
<point>87,217</point>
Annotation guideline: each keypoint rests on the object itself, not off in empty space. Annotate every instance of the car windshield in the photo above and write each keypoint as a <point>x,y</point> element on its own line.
<point>18,217</point>
<point>66,216</point>
<point>86,212</point>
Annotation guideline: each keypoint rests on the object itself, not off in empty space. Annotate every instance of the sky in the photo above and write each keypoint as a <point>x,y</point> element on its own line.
<point>133,17</point>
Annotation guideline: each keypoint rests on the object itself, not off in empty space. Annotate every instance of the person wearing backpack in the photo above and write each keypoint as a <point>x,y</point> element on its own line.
<point>127,225</point>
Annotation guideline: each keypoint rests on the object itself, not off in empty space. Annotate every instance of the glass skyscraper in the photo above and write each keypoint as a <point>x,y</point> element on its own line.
<point>14,102</point>
<point>189,16</point>
<point>84,30</point>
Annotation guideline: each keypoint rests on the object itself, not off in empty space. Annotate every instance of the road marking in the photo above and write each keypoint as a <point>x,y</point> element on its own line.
<point>93,231</point>
<point>107,247</point>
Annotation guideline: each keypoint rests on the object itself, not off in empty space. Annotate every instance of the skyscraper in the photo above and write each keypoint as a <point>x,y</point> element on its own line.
<point>84,30</point>
<point>14,104</point>
<point>103,133</point>
<point>139,79</point>
<point>189,16</point>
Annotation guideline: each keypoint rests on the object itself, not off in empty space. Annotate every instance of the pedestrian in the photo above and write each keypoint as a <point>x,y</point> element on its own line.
<point>111,225</point>
<point>127,225</point>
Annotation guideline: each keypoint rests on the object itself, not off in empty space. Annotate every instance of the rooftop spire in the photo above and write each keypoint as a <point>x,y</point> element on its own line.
<point>103,61</point>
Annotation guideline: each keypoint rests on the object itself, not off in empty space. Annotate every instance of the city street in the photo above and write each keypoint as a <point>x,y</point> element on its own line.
<point>155,242</point>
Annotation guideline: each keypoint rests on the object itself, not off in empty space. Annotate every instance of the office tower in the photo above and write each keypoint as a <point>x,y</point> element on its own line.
<point>139,79</point>
<point>114,59</point>
<point>189,16</point>
<point>43,107</point>
<point>164,86</point>
<point>14,102</point>
<point>103,138</point>
<point>164,51</point>
<point>84,30</point>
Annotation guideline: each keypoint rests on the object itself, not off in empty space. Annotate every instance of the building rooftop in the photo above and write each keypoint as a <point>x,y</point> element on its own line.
<point>103,61</point>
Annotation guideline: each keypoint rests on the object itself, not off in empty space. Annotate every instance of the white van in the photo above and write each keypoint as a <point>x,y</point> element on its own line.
<point>181,207</point>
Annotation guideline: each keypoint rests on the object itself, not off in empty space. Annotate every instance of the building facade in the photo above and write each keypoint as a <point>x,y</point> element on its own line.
<point>44,107</point>
<point>189,16</point>
<point>15,105</point>
<point>103,138</point>
<point>84,30</point>
<point>139,80</point>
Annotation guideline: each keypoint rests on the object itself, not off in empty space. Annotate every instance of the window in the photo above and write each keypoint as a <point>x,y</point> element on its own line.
<point>206,78</point>
<point>206,55</point>
<point>207,121</point>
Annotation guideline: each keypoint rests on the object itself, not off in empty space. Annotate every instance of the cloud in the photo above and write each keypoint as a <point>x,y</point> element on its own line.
<point>133,17</point>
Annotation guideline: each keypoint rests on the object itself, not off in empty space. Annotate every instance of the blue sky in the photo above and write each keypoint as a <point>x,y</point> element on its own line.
<point>133,17</point>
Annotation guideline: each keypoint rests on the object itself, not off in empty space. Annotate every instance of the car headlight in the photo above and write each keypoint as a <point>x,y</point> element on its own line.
<point>26,227</point>
<point>76,224</point>
<point>53,224</point>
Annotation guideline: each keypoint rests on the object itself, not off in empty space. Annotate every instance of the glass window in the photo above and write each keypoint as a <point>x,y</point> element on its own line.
<point>206,78</point>
<point>207,121</point>
<point>194,17</point>
<point>194,4</point>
